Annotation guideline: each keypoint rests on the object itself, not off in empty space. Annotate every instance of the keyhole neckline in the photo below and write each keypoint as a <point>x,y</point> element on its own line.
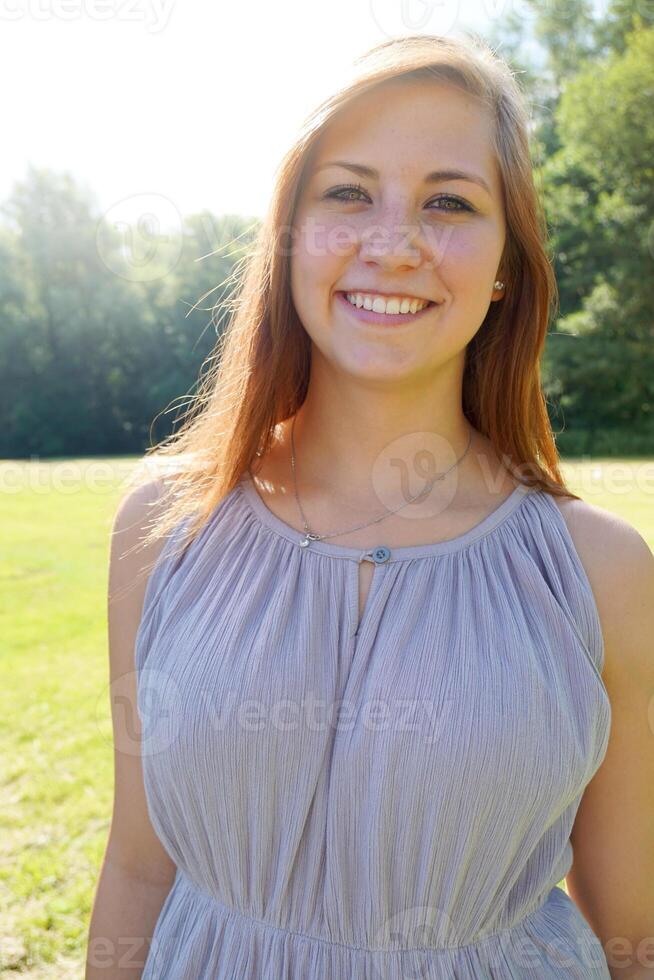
<point>270,520</point>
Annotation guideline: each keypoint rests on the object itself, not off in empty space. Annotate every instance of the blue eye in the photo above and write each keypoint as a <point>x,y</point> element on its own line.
<point>352,189</point>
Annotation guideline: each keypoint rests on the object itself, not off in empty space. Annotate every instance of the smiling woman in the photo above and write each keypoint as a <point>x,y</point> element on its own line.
<point>366,511</point>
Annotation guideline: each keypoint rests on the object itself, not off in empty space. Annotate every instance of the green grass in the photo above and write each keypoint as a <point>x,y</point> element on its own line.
<point>55,725</point>
<point>57,781</point>
<point>624,487</point>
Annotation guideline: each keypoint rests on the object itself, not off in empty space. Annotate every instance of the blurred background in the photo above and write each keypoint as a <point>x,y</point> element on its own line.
<point>141,141</point>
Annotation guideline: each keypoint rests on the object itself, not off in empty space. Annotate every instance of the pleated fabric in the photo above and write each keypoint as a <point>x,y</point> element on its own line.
<point>383,803</point>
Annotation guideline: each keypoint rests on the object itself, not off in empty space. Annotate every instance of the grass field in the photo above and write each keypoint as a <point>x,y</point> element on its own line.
<point>55,727</point>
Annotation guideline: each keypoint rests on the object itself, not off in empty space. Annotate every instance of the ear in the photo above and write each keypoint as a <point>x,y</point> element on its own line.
<point>498,293</point>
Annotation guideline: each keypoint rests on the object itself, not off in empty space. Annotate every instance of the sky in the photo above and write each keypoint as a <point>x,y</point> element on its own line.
<point>181,105</point>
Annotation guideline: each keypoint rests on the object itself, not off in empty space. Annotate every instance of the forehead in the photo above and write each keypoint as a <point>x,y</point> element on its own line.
<point>411,127</point>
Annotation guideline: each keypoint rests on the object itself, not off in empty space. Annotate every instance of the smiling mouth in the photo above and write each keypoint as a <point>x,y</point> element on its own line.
<point>384,319</point>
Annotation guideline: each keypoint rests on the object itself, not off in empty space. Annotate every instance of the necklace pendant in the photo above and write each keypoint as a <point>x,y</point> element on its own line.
<point>308,538</point>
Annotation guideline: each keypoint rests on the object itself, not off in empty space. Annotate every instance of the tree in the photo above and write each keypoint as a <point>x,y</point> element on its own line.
<point>600,204</point>
<point>91,354</point>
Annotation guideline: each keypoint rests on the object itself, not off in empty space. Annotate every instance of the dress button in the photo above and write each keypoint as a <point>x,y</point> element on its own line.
<point>380,555</point>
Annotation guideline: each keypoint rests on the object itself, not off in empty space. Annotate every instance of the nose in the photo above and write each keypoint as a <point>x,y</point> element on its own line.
<point>392,242</point>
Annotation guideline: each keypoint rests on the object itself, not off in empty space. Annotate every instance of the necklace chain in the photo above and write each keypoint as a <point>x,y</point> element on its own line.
<point>312,536</point>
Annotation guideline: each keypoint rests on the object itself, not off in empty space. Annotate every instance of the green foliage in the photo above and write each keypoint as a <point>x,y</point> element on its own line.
<point>595,138</point>
<point>600,206</point>
<point>564,27</point>
<point>622,16</point>
<point>95,340</point>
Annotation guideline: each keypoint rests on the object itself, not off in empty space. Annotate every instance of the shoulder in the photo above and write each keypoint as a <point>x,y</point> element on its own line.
<point>619,565</point>
<point>600,532</point>
<point>131,557</point>
<point>139,499</point>
<point>135,511</point>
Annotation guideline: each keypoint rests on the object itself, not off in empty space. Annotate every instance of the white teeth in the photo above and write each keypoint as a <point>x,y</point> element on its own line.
<point>382,304</point>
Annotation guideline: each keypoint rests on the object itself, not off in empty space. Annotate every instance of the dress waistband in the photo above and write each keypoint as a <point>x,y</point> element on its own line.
<point>551,941</point>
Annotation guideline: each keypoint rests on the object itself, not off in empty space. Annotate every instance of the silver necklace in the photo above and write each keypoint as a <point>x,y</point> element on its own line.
<point>310,536</point>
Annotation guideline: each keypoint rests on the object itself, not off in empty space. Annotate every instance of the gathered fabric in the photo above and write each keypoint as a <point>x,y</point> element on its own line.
<point>384,799</point>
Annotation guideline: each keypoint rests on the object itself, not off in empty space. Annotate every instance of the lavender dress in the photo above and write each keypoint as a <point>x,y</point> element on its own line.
<point>388,803</point>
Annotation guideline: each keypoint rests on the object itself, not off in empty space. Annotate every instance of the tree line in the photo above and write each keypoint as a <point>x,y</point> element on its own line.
<point>104,330</point>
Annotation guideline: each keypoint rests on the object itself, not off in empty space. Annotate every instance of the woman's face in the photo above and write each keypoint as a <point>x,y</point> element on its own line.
<point>401,232</point>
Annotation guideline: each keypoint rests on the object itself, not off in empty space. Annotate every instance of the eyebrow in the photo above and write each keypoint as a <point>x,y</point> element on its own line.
<point>435,177</point>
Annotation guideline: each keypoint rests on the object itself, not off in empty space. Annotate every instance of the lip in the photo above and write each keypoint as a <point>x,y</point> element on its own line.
<point>384,292</point>
<point>383,319</point>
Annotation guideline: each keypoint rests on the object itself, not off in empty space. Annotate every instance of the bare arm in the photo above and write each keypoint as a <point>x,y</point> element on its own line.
<point>137,872</point>
<point>612,876</point>
<point>125,913</point>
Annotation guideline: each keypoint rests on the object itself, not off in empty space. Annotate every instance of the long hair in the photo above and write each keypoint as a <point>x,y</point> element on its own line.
<point>260,365</point>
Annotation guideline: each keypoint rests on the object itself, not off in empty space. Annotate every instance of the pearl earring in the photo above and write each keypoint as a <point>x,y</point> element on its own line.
<point>498,285</point>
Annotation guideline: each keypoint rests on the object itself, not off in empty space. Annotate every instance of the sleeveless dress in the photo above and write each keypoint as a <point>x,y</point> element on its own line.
<point>391,802</point>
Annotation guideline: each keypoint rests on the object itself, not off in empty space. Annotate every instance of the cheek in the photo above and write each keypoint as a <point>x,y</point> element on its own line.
<point>468,256</point>
<point>307,280</point>
<point>320,248</point>
<point>310,284</point>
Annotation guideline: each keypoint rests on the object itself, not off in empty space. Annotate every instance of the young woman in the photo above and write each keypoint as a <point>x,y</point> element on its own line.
<point>391,675</point>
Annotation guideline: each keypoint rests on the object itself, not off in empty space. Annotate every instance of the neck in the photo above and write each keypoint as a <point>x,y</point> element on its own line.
<point>361,450</point>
